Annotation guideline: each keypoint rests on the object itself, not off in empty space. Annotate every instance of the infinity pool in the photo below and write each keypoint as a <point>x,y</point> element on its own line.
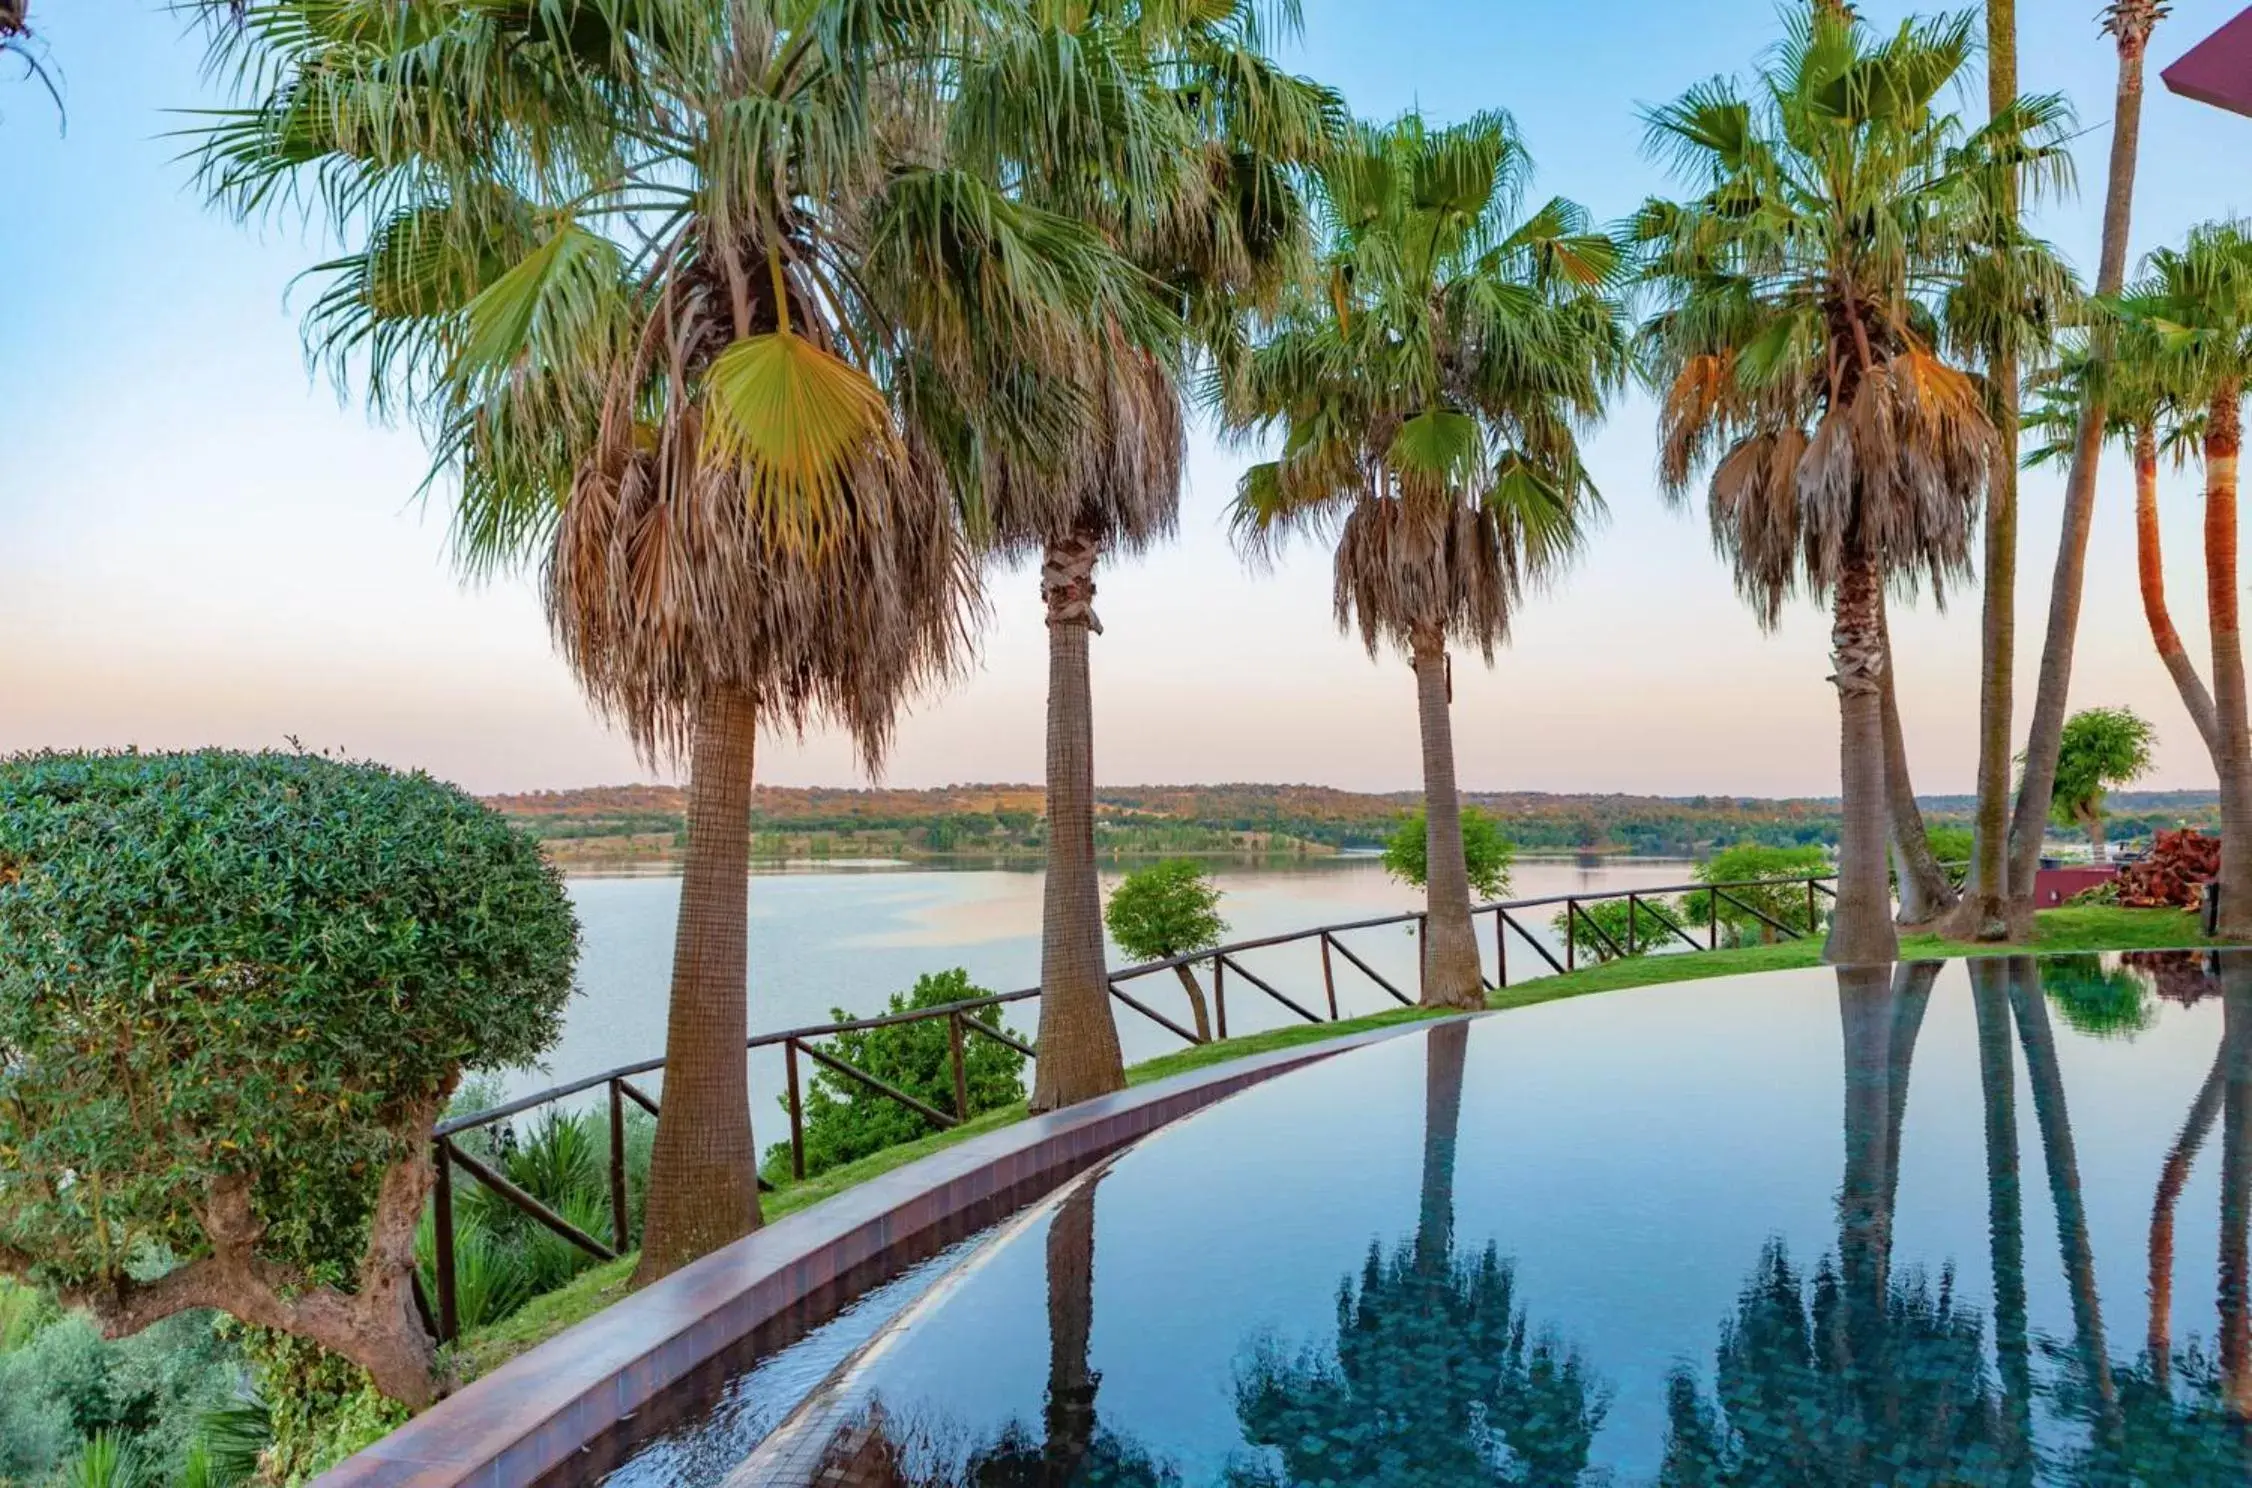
<point>1963,1223</point>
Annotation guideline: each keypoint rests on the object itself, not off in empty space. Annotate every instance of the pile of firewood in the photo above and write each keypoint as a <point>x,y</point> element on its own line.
<point>2175,874</point>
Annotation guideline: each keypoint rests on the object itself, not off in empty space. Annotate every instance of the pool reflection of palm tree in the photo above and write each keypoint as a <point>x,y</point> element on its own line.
<point>1853,1375</point>
<point>1435,1379</point>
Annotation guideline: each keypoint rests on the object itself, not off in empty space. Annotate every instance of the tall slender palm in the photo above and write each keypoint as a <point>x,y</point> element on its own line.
<point>1168,131</point>
<point>1794,343</point>
<point>1428,392</point>
<point>2129,23</point>
<point>2144,414</point>
<point>2190,326</point>
<point>676,290</point>
<point>1926,892</point>
<point>2001,317</point>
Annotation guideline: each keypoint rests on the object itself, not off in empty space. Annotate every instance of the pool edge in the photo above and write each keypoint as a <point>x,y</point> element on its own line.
<point>530,1416</point>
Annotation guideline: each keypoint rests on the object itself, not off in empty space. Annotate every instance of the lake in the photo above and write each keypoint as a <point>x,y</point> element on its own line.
<point>848,937</point>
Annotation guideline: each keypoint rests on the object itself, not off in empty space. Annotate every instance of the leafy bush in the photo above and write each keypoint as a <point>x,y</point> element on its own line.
<point>845,1121</point>
<point>1951,847</point>
<point>1748,862</point>
<point>1610,916</point>
<point>68,1384</point>
<point>1486,853</point>
<point>234,992</point>
<point>2096,1001</point>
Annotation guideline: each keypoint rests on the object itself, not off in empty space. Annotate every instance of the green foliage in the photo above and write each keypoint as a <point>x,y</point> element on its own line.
<point>24,1311</point>
<point>845,1120</point>
<point>320,1408</point>
<point>269,966</point>
<point>1167,909</point>
<point>1784,903</point>
<point>1611,917</point>
<point>2101,748</point>
<point>106,1460</point>
<point>66,1385</point>
<point>2104,1002</point>
<point>1951,847</point>
<point>1486,853</point>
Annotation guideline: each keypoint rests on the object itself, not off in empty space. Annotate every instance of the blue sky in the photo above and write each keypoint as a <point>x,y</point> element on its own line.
<point>200,542</point>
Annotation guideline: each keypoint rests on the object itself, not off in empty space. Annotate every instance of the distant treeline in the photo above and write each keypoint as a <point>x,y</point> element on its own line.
<point>1003,821</point>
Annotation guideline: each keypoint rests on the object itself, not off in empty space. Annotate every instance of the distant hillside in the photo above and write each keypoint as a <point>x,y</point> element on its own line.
<point>989,821</point>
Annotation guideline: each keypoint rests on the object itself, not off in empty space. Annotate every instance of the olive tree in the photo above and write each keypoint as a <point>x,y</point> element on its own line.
<point>1165,910</point>
<point>235,991</point>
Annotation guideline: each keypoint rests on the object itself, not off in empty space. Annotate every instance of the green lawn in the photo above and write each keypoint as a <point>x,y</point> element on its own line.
<point>2077,929</point>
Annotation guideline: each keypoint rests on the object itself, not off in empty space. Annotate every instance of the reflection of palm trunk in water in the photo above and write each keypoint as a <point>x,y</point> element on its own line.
<point>1911,993</point>
<point>2236,1189</point>
<point>2195,1129</point>
<point>2062,1160</point>
<point>1867,1003</point>
<point>1443,1055</point>
<point>2005,1205</point>
<point>1071,1319</point>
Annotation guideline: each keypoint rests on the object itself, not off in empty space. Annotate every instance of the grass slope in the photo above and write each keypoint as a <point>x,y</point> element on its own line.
<point>2058,930</point>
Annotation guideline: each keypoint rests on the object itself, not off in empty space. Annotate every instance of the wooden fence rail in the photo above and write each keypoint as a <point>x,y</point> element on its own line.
<point>1221,961</point>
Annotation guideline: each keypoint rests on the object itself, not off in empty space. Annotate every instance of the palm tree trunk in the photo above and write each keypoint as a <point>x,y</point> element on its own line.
<point>2050,697</point>
<point>2150,569</point>
<point>1197,1008</point>
<point>2196,1127</point>
<point>1984,911</point>
<point>1072,1381</point>
<point>703,1170</point>
<point>2062,1159</point>
<point>1451,977</point>
<point>2236,1193</point>
<point>2005,1208</point>
<point>1445,1053</point>
<point>2092,819</point>
<point>1925,893</point>
<point>1867,1014</point>
<point>1861,930</point>
<point>2233,762</point>
<point>1078,1038</point>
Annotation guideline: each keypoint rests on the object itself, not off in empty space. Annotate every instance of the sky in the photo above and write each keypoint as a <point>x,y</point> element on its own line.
<point>203,542</point>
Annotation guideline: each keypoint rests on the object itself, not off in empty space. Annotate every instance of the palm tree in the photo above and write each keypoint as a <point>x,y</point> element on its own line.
<point>2129,23</point>
<point>2000,317</point>
<point>1428,390</point>
<point>2144,414</point>
<point>2190,327</point>
<point>1168,131</point>
<point>1794,344</point>
<point>680,294</point>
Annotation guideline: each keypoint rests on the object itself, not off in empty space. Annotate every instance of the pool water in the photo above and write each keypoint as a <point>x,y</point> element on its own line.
<point>1962,1223</point>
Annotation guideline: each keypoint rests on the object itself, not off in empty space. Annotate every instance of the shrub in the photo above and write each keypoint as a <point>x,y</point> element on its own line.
<point>2093,1000</point>
<point>1610,916</point>
<point>1747,862</point>
<point>1486,853</point>
<point>1951,847</point>
<point>68,1384</point>
<point>845,1120</point>
<point>234,992</point>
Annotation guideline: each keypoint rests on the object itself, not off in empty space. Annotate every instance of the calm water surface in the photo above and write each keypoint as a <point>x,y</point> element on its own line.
<point>1891,1226</point>
<point>850,938</point>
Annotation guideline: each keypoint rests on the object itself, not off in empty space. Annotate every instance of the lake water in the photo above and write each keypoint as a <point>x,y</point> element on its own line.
<point>847,938</point>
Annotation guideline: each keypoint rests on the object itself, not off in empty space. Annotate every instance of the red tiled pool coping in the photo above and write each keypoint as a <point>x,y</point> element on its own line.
<point>534,1413</point>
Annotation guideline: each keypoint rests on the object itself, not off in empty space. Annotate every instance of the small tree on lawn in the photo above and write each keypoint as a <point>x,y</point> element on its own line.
<point>2103,748</point>
<point>235,991</point>
<point>1165,910</point>
<point>1486,853</point>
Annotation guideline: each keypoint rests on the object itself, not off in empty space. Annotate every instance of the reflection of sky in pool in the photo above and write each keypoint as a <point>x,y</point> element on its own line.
<point>1630,1158</point>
